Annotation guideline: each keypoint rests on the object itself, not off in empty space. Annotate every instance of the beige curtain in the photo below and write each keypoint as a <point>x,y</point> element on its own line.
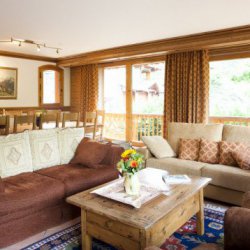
<point>89,89</point>
<point>186,87</point>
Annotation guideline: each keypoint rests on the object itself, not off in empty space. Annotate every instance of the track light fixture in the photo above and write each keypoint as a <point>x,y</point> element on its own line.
<point>38,45</point>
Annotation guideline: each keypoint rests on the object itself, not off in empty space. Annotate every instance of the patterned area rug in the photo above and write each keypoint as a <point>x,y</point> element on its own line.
<point>184,239</point>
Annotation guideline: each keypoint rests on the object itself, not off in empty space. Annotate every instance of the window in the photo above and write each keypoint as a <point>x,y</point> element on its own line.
<point>51,86</point>
<point>230,88</point>
<point>133,100</point>
<point>148,88</point>
<point>148,99</point>
<point>115,102</point>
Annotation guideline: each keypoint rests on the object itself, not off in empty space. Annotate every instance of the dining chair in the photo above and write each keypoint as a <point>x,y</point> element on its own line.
<point>71,118</point>
<point>2,112</point>
<point>100,118</point>
<point>90,124</point>
<point>4,124</point>
<point>24,122</point>
<point>50,120</point>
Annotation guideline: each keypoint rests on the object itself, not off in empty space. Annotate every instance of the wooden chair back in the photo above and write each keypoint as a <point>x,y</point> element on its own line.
<point>24,121</point>
<point>5,124</point>
<point>49,118</point>
<point>71,117</point>
<point>90,123</point>
<point>2,112</point>
<point>100,119</point>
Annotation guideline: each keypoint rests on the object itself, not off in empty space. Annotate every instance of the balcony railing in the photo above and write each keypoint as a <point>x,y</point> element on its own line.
<point>243,121</point>
<point>142,124</point>
<point>152,124</point>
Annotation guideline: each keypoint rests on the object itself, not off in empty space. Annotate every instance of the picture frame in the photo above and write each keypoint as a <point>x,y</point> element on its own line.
<point>8,83</point>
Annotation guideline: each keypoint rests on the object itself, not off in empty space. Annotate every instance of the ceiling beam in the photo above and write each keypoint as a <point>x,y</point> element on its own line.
<point>27,56</point>
<point>208,40</point>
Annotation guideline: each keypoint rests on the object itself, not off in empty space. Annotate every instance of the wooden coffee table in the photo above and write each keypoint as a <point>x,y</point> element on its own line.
<point>129,228</point>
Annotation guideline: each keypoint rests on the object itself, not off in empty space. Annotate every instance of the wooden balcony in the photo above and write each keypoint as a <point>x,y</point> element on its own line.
<point>142,124</point>
<point>243,121</point>
<point>151,124</point>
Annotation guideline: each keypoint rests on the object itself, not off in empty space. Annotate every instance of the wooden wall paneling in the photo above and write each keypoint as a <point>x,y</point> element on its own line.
<point>75,89</point>
<point>129,117</point>
<point>209,40</point>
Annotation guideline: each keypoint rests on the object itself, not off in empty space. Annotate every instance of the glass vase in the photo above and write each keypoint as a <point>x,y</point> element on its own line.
<point>132,184</point>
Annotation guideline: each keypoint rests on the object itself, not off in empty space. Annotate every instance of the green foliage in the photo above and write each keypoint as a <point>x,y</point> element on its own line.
<point>230,88</point>
<point>149,126</point>
<point>243,77</point>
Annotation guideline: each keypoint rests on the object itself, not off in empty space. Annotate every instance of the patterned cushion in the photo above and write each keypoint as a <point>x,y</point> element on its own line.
<point>44,148</point>
<point>68,140</point>
<point>15,155</point>
<point>226,149</point>
<point>209,151</point>
<point>242,158</point>
<point>189,149</point>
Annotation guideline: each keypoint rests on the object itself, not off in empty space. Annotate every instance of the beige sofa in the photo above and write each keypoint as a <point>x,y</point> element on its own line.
<point>228,183</point>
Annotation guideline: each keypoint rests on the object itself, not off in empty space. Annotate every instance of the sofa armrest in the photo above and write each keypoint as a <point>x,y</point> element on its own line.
<point>246,200</point>
<point>144,151</point>
<point>236,228</point>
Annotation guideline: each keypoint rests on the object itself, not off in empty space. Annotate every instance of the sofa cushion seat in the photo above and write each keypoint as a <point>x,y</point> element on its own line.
<point>228,177</point>
<point>77,178</point>
<point>29,192</point>
<point>176,166</point>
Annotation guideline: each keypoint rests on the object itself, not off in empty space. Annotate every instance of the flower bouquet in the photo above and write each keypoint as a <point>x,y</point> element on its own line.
<point>128,166</point>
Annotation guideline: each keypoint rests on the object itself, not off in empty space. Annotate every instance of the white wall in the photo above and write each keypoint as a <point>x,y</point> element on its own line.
<point>27,92</point>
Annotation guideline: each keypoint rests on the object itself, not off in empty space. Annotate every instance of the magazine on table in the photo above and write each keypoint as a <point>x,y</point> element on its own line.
<point>176,179</point>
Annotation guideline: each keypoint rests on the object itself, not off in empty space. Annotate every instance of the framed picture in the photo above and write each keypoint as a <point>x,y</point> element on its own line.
<point>8,83</point>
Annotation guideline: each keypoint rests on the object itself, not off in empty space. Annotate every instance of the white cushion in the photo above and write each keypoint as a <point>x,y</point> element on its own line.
<point>158,146</point>
<point>15,155</point>
<point>236,133</point>
<point>69,139</point>
<point>44,148</point>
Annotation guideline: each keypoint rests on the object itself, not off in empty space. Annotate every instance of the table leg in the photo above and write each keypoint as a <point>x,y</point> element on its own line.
<point>86,239</point>
<point>200,214</point>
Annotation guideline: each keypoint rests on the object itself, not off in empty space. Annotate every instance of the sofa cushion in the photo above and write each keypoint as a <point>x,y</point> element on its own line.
<point>189,149</point>
<point>209,151</point>
<point>15,155</point>
<point>236,134</point>
<point>176,166</point>
<point>30,192</point>
<point>242,158</point>
<point>212,132</point>
<point>77,178</point>
<point>90,153</point>
<point>227,177</point>
<point>68,140</point>
<point>226,149</point>
<point>158,146</point>
<point>113,155</point>
<point>44,148</point>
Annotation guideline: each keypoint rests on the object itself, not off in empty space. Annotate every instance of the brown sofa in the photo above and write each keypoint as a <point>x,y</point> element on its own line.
<point>35,201</point>
<point>236,226</point>
<point>228,183</point>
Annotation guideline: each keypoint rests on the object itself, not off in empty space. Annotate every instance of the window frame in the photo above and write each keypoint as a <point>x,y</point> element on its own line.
<point>128,64</point>
<point>60,71</point>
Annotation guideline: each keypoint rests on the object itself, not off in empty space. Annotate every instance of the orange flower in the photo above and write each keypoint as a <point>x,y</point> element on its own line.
<point>133,164</point>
